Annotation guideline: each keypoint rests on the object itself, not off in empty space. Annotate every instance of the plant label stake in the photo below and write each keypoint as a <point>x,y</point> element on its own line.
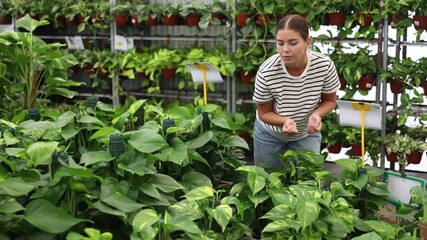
<point>204,72</point>
<point>369,117</point>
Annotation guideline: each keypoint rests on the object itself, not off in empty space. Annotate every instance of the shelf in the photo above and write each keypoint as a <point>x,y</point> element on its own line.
<point>175,38</point>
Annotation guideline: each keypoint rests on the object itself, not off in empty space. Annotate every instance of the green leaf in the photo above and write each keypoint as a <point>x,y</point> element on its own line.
<point>64,119</point>
<point>15,187</point>
<point>136,105</point>
<point>221,122</point>
<point>361,181</point>
<point>45,216</point>
<point>9,206</point>
<point>90,158</point>
<point>144,219</point>
<point>256,182</point>
<point>307,212</point>
<point>200,193</point>
<point>235,141</point>
<point>368,236</point>
<point>281,225</point>
<point>165,183</point>
<point>150,190</point>
<point>103,132</point>
<point>193,179</point>
<point>41,151</point>
<point>280,212</point>
<point>102,207</point>
<point>347,164</point>
<point>147,141</point>
<point>386,230</point>
<point>29,23</point>
<point>178,152</point>
<point>258,198</point>
<point>222,215</point>
<point>122,202</point>
<point>200,141</point>
<point>89,120</point>
<point>183,223</point>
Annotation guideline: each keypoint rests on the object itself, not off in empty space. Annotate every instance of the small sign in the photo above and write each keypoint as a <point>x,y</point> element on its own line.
<point>122,43</point>
<point>350,114</point>
<point>75,43</point>
<point>197,71</point>
<point>400,186</point>
<point>6,28</point>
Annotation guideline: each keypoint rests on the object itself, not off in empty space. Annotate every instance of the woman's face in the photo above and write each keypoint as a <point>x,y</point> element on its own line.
<point>292,47</point>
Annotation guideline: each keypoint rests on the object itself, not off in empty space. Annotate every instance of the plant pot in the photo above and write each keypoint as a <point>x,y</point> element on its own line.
<point>414,157</point>
<point>152,21</point>
<point>336,18</point>
<point>220,16</point>
<point>72,22</point>
<point>396,86</point>
<point>192,20</point>
<point>246,77</point>
<point>60,21</point>
<point>365,83</point>
<point>391,157</point>
<point>356,149</point>
<point>120,19</point>
<point>168,73</point>
<point>170,20</point>
<point>263,18</point>
<point>88,70</point>
<point>140,74</point>
<point>134,19</point>
<point>102,72</point>
<point>335,148</point>
<point>241,19</point>
<point>74,69</point>
<point>95,19</point>
<point>364,19</point>
<point>419,22</point>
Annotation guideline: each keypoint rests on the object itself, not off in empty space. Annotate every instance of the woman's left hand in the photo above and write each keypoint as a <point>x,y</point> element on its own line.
<point>314,123</point>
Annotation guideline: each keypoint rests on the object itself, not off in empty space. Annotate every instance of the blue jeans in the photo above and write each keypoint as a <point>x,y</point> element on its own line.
<point>267,147</point>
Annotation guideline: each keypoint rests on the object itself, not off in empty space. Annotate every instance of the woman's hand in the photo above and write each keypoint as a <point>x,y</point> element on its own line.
<point>289,127</point>
<point>314,123</point>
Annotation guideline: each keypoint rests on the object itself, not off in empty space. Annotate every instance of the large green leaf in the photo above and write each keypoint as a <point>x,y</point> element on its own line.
<point>369,236</point>
<point>41,151</point>
<point>102,207</point>
<point>235,141</point>
<point>182,222</point>
<point>103,132</point>
<point>45,216</point>
<point>307,211</point>
<point>220,122</point>
<point>347,164</point>
<point>64,119</point>
<point>281,225</point>
<point>256,182</point>
<point>9,205</point>
<point>150,190</point>
<point>200,141</point>
<point>136,105</point>
<point>29,23</point>
<point>259,198</point>
<point>222,215</point>
<point>280,212</point>
<point>165,183</point>
<point>192,180</point>
<point>90,158</point>
<point>188,207</point>
<point>200,193</point>
<point>144,219</point>
<point>147,141</point>
<point>122,202</point>
<point>91,120</point>
<point>177,153</point>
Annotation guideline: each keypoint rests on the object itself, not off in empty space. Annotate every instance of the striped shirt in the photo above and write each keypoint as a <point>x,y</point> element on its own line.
<point>295,97</point>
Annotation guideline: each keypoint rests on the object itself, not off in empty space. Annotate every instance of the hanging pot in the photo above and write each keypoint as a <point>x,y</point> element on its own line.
<point>263,18</point>
<point>170,20</point>
<point>336,18</point>
<point>134,19</point>
<point>6,19</point>
<point>391,157</point>
<point>356,149</point>
<point>241,19</point>
<point>365,83</point>
<point>343,82</point>
<point>419,22</point>
<point>396,86</point>
<point>151,21</point>
<point>424,85</point>
<point>246,77</point>
<point>168,73</point>
<point>363,19</point>
<point>414,157</point>
<point>120,19</point>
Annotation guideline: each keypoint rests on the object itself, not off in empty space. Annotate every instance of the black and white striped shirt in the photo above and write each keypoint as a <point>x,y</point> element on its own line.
<point>294,97</point>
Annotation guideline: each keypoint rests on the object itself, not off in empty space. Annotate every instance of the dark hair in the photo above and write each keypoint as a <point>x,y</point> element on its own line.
<point>294,22</point>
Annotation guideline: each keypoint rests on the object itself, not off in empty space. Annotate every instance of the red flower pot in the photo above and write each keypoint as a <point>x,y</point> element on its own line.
<point>263,18</point>
<point>414,157</point>
<point>241,19</point>
<point>419,22</point>
<point>120,19</point>
<point>396,86</point>
<point>134,19</point>
<point>246,77</point>
<point>335,148</point>
<point>88,70</point>
<point>391,157</point>
<point>74,69</point>
<point>343,82</point>
<point>192,20</point>
<point>102,72</point>
<point>364,19</point>
<point>140,74</point>
<point>170,20</point>
<point>168,73</point>
<point>365,83</point>
<point>6,19</point>
<point>356,149</point>
<point>152,21</point>
<point>424,85</point>
<point>336,18</point>
<point>220,17</point>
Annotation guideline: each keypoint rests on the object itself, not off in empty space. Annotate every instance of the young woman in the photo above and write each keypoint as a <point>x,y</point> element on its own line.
<point>294,89</point>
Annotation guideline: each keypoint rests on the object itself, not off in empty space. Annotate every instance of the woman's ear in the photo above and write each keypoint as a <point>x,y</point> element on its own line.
<point>308,42</point>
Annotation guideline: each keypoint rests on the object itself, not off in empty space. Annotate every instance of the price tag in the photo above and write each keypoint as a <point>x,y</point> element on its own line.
<point>122,43</point>
<point>75,43</point>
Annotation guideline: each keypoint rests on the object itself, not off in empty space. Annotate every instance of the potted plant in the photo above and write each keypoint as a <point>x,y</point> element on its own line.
<point>5,14</point>
<point>138,13</point>
<point>400,74</point>
<point>242,13</point>
<point>171,13</point>
<point>420,14</point>
<point>193,12</point>
<point>397,12</point>
<point>419,196</point>
<point>264,11</point>
<point>121,12</point>
<point>154,12</point>
<point>332,134</point>
<point>248,64</point>
<point>314,11</point>
<point>421,66</point>
<point>366,11</point>
<point>337,10</point>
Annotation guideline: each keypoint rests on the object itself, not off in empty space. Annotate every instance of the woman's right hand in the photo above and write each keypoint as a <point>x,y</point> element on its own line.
<point>289,127</point>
